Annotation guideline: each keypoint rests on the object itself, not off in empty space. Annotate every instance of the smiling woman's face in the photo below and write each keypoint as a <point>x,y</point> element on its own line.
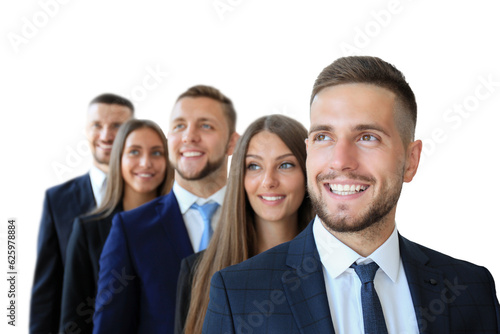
<point>274,182</point>
<point>143,161</point>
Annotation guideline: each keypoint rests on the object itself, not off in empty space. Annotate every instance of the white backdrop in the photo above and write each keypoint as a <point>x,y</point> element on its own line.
<point>265,55</point>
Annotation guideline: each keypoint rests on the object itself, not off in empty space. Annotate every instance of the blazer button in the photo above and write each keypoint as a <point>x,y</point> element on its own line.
<point>432,281</point>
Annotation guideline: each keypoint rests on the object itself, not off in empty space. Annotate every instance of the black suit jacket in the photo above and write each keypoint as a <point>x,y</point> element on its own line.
<point>283,291</point>
<point>184,283</point>
<point>62,204</point>
<point>82,272</point>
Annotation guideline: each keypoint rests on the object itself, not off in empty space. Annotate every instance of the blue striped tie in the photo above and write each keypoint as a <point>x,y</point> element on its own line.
<point>373,316</point>
<point>206,211</point>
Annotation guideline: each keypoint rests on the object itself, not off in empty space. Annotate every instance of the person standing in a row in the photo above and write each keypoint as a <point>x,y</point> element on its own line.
<point>141,258</point>
<point>350,271</point>
<point>65,202</point>
<point>139,171</point>
<point>266,204</point>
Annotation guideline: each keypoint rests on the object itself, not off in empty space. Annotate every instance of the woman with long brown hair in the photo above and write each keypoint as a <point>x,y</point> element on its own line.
<point>138,172</point>
<point>265,204</point>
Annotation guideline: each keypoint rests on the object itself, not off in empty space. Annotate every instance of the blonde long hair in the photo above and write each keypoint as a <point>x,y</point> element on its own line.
<point>115,183</point>
<point>235,237</point>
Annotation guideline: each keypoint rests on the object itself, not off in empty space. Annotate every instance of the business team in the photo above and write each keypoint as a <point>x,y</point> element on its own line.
<point>348,271</point>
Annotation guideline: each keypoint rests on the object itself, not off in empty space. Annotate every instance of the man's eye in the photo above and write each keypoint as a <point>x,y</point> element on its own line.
<point>321,137</point>
<point>368,138</point>
<point>179,126</point>
<point>206,126</point>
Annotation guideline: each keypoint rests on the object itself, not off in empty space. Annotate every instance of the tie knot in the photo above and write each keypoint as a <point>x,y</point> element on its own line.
<point>206,210</point>
<point>366,272</point>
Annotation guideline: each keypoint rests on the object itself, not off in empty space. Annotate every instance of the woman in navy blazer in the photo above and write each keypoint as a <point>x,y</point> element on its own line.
<point>265,204</point>
<point>139,172</point>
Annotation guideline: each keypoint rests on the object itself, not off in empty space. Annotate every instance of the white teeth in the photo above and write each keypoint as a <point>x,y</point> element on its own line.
<point>191,154</point>
<point>145,175</point>
<point>107,147</point>
<point>346,189</point>
<point>272,198</point>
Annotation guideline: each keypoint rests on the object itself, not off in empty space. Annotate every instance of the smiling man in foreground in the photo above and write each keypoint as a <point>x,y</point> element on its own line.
<point>350,271</point>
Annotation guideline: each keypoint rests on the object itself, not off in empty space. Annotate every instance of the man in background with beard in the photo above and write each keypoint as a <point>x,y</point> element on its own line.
<point>350,271</point>
<point>140,261</point>
<point>65,202</point>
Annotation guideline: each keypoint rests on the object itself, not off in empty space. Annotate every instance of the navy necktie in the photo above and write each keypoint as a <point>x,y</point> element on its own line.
<point>206,211</point>
<point>373,316</point>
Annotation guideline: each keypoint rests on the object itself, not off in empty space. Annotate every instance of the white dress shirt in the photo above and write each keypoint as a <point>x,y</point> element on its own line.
<point>343,286</point>
<point>97,180</point>
<point>192,217</point>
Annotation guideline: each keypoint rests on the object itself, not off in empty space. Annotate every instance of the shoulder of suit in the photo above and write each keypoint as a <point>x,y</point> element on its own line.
<point>272,259</point>
<point>147,210</point>
<point>445,262</point>
<point>68,186</point>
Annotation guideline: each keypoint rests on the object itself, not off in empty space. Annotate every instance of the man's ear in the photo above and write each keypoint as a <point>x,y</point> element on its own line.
<point>412,160</point>
<point>232,143</point>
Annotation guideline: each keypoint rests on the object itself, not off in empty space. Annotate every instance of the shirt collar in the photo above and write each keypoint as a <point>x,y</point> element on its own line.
<point>187,199</point>
<point>337,257</point>
<point>97,178</point>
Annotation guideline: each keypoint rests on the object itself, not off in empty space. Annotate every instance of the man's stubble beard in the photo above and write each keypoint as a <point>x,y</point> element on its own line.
<point>373,215</point>
<point>209,168</point>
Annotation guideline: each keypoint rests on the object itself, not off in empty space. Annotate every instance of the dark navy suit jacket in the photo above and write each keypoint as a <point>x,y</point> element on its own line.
<point>139,266</point>
<point>82,271</point>
<point>62,204</point>
<point>283,291</point>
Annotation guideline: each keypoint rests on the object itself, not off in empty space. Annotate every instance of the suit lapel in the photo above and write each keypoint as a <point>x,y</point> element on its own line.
<point>67,208</point>
<point>304,286</point>
<point>84,188</point>
<point>173,224</point>
<point>427,287</point>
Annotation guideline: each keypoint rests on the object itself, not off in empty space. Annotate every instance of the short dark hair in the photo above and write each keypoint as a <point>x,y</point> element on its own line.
<point>109,98</point>
<point>374,71</point>
<point>215,94</point>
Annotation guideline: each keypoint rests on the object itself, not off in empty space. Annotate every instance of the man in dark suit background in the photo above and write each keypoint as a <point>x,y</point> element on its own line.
<point>140,261</point>
<point>350,271</point>
<point>65,202</point>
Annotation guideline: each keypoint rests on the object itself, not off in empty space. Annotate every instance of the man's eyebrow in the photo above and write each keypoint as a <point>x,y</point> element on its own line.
<point>178,119</point>
<point>321,127</point>
<point>205,119</point>
<point>364,127</point>
<point>357,128</point>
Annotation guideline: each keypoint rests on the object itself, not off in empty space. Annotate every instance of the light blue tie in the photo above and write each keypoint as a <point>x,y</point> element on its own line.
<point>206,211</point>
<point>373,316</point>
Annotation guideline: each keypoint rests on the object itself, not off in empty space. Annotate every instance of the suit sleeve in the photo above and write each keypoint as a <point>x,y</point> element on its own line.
<point>495,299</point>
<point>78,286</point>
<point>218,318</point>
<point>47,285</point>
<point>184,283</point>
<point>117,302</point>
